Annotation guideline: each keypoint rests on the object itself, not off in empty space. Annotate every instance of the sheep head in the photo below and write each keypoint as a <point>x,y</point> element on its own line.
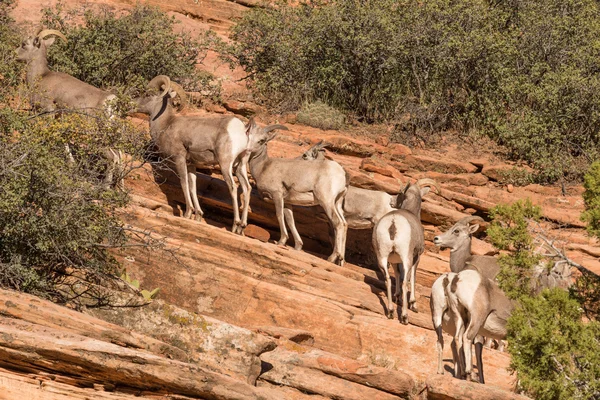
<point>317,152</point>
<point>458,234</point>
<point>259,137</point>
<point>160,90</point>
<point>34,48</point>
<point>412,195</point>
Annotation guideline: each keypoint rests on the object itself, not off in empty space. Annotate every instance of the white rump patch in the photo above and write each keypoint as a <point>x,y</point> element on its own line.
<point>236,130</point>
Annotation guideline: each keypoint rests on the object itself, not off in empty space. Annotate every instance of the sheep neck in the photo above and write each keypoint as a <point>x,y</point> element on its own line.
<point>159,120</point>
<point>36,69</point>
<point>460,255</point>
<point>257,163</point>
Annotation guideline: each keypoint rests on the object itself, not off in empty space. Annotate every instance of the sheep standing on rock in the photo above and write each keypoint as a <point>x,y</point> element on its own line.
<point>189,141</point>
<point>398,238</point>
<point>288,182</point>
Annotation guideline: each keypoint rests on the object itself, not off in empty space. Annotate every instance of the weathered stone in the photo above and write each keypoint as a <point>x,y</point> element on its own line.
<point>445,387</point>
<point>35,348</point>
<point>426,163</point>
<point>294,335</point>
<point>246,109</point>
<point>379,167</point>
<point>500,172</point>
<point>477,179</point>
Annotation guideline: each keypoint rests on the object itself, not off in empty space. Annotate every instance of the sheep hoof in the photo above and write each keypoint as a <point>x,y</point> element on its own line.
<point>404,319</point>
<point>390,314</point>
<point>413,307</point>
<point>298,247</point>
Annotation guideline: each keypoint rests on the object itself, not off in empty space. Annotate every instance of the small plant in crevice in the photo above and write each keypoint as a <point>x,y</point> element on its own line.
<point>320,115</point>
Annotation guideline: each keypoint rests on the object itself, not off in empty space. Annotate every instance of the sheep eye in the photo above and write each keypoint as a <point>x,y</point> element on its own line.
<point>261,141</point>
<point>455,232</point>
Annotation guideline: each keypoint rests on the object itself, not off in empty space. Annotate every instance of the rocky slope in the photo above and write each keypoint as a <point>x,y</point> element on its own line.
<point>243,318</point>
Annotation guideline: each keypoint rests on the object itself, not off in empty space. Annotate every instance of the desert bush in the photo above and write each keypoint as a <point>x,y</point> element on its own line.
<point>320,115</point>
<point>57,217</point>
<point>522,72</point>
<point>9,41</point>
<point>554,352</point>
<point>591,197</point>
<point>127,49</point>
<point>556,355</point>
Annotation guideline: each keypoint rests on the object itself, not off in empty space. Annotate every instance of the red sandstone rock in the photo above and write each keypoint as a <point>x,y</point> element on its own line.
<point>444,387</point>
<point>426,163</point>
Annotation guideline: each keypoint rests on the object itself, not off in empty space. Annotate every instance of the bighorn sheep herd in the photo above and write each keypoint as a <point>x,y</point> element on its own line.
<point>465,302</point>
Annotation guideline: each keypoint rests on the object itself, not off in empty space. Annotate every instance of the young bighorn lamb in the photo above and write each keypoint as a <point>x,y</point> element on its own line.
<point>57,89</point>
<point>189,141</point>
<point>362,207</point>
<point>306,183</point>
<point>398,238</point>
<point>458,239</point>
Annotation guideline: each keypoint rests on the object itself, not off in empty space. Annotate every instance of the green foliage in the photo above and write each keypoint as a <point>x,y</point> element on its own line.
<point>516,176</point>
<point>591,197</point>
<point>57,217</point>
<point>509,231</point>
<point>148,295</point>
<point>524,73</point>
<point>320,115</point>
<point>127,49</point>
<point>10,69</point>
<point>556,355</point>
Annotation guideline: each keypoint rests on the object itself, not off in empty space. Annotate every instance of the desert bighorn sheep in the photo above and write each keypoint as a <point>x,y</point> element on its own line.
<point>362,207</point>
<point>480,308</point>
<point>57,89</point>
<point>300,182</point>
<point>398,238</point>
<point>458,239</point>
<point>189,141</point>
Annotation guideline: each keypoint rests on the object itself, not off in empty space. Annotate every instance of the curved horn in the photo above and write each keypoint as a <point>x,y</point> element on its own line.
<point>158,81</point>
<point>469,219</point>
<point>270,128</point>
<point>180,93</point>
<point>47,32</point>
<point>429,182</point>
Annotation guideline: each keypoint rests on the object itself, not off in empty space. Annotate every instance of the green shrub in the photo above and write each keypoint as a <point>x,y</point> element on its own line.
<point>128,49</point>
<point>320,115</point>
<point>509,231</point>
<point>556,355</point>
<point>57,217</point>
<point>591,197</point>
<point>429,66</point>
<point>10,68</point>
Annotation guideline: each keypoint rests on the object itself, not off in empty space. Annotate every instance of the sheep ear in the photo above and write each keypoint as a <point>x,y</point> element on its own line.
<point>271,136</point>
<point>172,94</point>
<point>425,190</point>
<point>473,228</point>
<point>250,126</point>
<point>49,41</point>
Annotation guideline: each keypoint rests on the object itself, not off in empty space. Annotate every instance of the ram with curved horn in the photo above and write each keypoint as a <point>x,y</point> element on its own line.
<point>56,90</point>
<point>192,141</point>
<point>398,238</point>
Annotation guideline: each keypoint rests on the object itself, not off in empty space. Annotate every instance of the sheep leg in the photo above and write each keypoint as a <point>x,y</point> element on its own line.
<point>279,205</point>
<point>396,297</point>
<point>456,358</point>
<point>182,171</point>
<point>227,172</point>
<point>289,219</point>
<point>194,192</point>
<point>440,349</point>
<point>242,174</point>
<point>339,203</point>
<point>337,220</point>
<point>475,323</point>
<point>478,357</point>
<point>404,279</point>
<point>383,266</point>
<point>412,302</point>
